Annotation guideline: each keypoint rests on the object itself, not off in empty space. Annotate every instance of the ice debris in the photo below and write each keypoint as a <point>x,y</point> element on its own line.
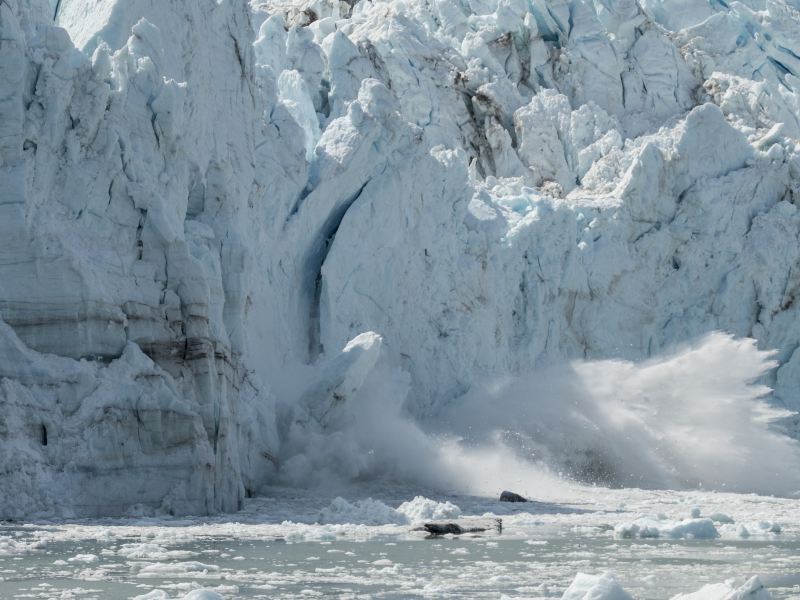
<point>660,527</point>
<point>374,512</point>
<point>595,587</point>
<point>753,589</point>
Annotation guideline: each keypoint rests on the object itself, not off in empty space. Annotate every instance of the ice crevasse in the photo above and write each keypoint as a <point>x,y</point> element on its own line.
<point>196,195</point>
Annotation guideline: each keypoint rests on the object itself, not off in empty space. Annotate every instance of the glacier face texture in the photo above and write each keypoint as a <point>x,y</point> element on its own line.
<point>197,195</point>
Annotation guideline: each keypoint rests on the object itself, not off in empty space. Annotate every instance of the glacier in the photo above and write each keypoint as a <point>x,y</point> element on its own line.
<point>222,220</point>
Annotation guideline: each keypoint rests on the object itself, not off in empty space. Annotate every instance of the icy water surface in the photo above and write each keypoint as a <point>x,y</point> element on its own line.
<point>274,549</point>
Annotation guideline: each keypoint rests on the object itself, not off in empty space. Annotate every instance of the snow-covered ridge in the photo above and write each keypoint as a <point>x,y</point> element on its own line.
<point>198,196</point>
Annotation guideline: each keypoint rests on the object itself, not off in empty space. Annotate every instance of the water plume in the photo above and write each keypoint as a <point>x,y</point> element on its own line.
<point>691,418</point>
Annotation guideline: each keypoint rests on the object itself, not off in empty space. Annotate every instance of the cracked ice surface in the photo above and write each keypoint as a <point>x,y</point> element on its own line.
<point>196,197</point>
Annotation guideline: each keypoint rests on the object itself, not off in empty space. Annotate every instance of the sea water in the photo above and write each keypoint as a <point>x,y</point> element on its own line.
<point>276,548</point>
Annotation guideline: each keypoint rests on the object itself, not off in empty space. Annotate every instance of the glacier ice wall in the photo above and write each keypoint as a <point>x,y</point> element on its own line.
<point>128,207</point>
<point>197,196</point>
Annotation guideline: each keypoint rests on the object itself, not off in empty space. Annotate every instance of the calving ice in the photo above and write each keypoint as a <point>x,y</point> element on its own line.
<point>262,255</point>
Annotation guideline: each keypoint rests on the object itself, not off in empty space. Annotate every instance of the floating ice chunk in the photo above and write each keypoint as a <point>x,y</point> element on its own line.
<point>152,552</point>
<point>748,529</point>
<point>742,532</point>
<point>153,595</point>
<point>83,558</point>
<point>721,518</point>
<point>647,527</point>
<point>203,595</point>
<point>595,587</point>
<point>374,512</point>
<point>178,569</point>
<point>12,547</point>
<point>769,527</point>
<point>752,590</point>
<point>422,509</point>
<point>366,512</point>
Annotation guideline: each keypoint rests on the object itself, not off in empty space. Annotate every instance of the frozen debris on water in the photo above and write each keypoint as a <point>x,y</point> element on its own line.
<point>748,529</point>
<point>658,527</point>
<point>752,590</point>
<point>605,587</point>
<point>375,512</point>
<point>721,518</point>
<point>595,587</point>
<point>201,594</point>
<point>421,509</point>
<point>366,512</point>
<point>553,543</point>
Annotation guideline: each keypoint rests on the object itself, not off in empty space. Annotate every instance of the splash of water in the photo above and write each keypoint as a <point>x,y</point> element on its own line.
<point>691,418</point>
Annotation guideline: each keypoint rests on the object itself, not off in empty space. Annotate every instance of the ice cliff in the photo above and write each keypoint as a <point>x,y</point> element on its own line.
<point>198,195</point>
